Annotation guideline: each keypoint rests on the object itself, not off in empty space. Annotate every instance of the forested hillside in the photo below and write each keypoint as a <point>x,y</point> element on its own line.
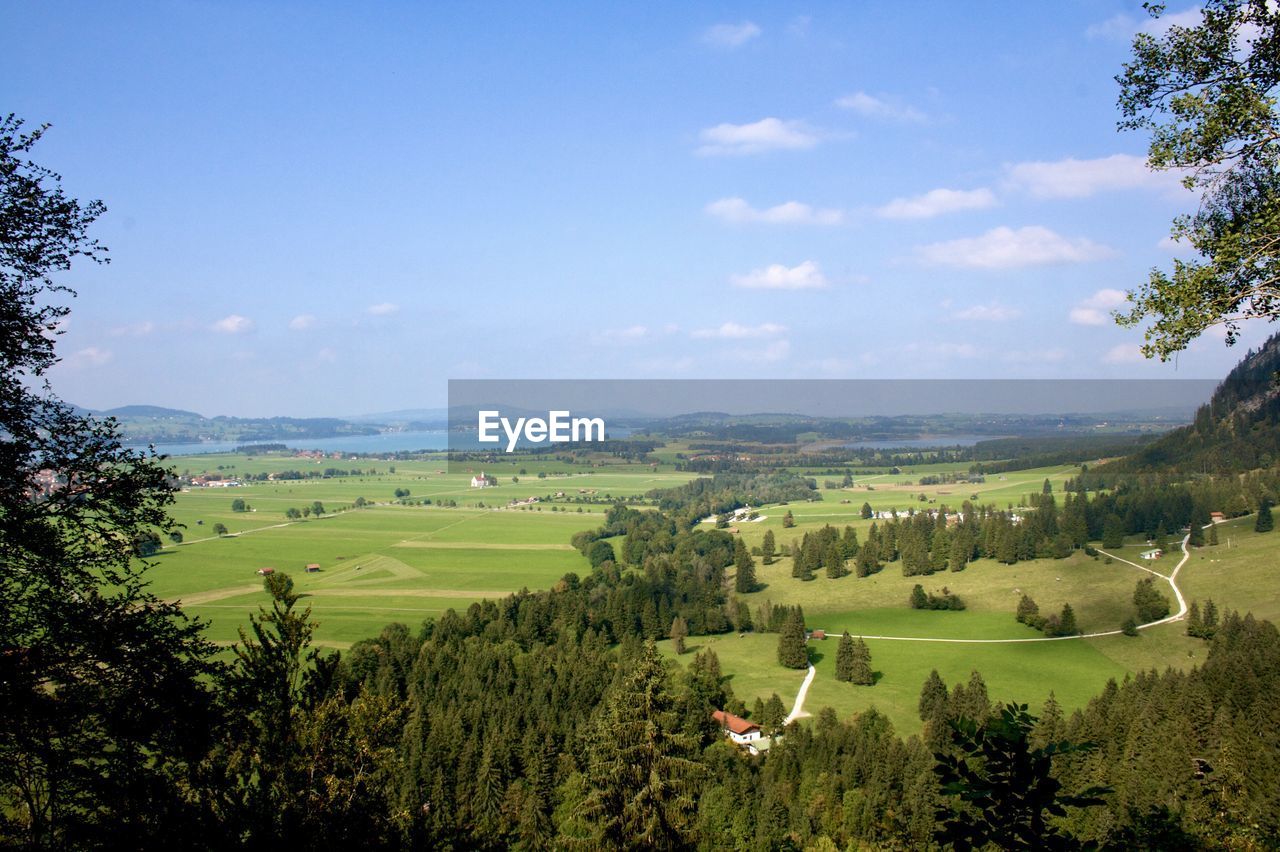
<point>1237,431</point>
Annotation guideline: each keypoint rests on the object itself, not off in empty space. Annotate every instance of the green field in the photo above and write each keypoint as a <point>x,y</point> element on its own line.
<point>398,560</point>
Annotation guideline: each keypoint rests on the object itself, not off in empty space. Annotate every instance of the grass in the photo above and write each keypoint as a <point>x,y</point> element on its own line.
<point>392,562</point>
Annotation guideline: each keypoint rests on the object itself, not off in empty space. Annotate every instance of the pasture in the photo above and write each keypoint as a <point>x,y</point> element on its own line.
<point>397,559</point>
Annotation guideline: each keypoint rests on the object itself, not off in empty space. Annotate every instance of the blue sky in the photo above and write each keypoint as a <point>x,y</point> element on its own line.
<point>325,208</point>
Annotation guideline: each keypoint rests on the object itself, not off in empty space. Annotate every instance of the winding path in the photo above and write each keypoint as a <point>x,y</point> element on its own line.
<point>1171,578</point>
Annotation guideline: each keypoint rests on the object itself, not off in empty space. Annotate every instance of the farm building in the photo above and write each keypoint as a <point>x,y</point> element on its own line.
<point>480,481</point>
<point>818,634</point>
<point>265,571</point>
<point>1153,553</point>
<point>313,567</point>
<point>1217,517</point>
<point>737,728</point>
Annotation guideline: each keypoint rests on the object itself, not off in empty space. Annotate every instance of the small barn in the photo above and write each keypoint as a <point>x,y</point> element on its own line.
<point>265,571</point>
<point>1153,553</point>
<point>313,567</point>
<point>818,634</point>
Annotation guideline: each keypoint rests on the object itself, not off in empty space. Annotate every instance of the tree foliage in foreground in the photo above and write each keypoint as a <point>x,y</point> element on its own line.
<point>101,693</point>
<point>1206,94</point>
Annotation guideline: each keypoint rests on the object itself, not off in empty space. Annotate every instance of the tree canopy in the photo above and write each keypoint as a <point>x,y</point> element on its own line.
<point>1206,94</point>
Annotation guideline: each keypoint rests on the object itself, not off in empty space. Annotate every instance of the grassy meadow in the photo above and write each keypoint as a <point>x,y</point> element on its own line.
<point>397,560</point>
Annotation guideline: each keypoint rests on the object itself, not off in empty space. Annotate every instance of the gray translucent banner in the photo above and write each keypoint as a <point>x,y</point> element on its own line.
<point>503,418</point>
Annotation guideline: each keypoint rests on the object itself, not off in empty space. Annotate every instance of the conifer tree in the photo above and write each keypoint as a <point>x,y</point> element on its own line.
<point>849,543</point>
<point>679,632</point>
<point>1028,612</point>
<point>863,675</point>
<point>788,520</point>
<point>1213,536</point>
<point>768,548</point>
<point>1210,623</point>
<point>1264,522</point>
<point>642,765</point>
<point>1113,532</point>
<point>933,696</point>
<point>793,652</point>
<point>1067,621</point>
<point>775,714</point>
<point>844,658</point>
<point>918,600</point>
<point>835,561</point>
<point>1195,627</point>
<point>867,512</point>
<point>745,579</point>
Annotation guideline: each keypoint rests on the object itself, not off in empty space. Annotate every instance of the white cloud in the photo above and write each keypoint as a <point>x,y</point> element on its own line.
<point>302,322</point>
<point>731,35</point>
<point>804,276</point>
<point>90,356</point>
<point>767,134</point>
<point>738,211</point>
<point>1095,310</point>
<point>1072,178</point>
<point>936,202</point>
<point>383,309</point>
<point>873,107</point>
<point>1124,353</point>
<point>630,334</point>
<point>1123,27</point>
<point>233,324</point>
<point>737,331</point>
<point>993,312</point>
<point>1007,248</point>
<point>1118,26</point>
<point>137,329</point>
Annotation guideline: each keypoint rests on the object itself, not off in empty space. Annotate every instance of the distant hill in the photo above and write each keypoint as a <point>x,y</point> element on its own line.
<point>148,411</point>
<point>154,424</point>
<point>1238,430</point>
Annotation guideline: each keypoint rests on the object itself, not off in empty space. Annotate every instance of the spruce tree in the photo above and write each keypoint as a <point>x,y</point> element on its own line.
<point>867,512</point>
<point>788,520</point>
<point>863,675</point>
<point>1195,627</point>
<point>835,561</point>
<point>768,548</point>
<point>744,580</point>
<point>679,632</point>
<point>793,652</point>
<point>1067,621</point>
<point>1195,536</point>
<point>1264,522</point>
<point>844,658</point>
<point>933,696</point>
<point>918,600</point>
<point>1213,536</point>
<point>643,766</point>
<point>1113,532</point>
<point>1210,623</point>
<point>1028,612</point>
<point>775,714</point>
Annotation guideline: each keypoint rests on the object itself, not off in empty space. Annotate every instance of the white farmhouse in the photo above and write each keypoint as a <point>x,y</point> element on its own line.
<point>480,481</point>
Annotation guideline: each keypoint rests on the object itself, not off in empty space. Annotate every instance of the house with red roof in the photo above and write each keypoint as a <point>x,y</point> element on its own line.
<point>737,728</point>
